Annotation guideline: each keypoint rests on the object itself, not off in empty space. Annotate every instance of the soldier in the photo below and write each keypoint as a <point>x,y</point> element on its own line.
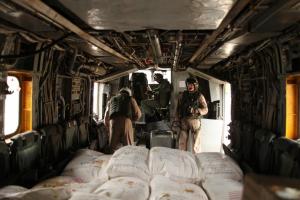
<point>191,106</point>
<point>122,109</point>
<point>162,96</point>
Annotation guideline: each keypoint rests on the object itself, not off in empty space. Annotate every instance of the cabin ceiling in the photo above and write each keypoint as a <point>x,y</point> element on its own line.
<point>143,34</point>
<point>135,15</point>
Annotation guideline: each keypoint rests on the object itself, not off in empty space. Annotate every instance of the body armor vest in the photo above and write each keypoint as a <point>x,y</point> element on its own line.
<point>190,100</point>
<point>120,106</point>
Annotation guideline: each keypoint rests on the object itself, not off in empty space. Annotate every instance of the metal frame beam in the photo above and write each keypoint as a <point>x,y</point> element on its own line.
<point>233,13</point>
<point>58,20</point>
<point>116,75</point>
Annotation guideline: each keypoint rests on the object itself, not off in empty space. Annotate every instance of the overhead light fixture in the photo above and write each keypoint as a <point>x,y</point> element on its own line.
<point>228,48</point>
<point>98,27</point>
<point>94,47</point>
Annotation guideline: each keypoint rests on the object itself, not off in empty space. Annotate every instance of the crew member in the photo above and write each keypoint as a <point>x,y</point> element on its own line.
<point>190,107</point>
<point>162,96</point>
<point>122,109</point>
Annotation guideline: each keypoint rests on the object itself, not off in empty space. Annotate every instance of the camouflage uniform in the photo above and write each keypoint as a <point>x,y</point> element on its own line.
<point>190,107</point>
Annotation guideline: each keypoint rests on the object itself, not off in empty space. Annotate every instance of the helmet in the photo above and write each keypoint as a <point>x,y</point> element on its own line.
<point>192,80</point>
<point>127,90</point>
<point>158,76</point>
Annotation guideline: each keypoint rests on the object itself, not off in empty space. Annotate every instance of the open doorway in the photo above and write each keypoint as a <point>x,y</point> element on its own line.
<point>214,126</point>
<point>214,130</point>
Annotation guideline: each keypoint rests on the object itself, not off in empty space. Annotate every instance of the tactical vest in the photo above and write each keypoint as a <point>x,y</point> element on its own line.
<point>120,106</point>
<point>190,100</point>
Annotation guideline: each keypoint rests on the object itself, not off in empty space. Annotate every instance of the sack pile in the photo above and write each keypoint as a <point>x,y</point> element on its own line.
<point>134,172</point>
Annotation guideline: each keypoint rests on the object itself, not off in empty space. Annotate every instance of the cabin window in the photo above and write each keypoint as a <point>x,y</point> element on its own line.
<point>99,101</point>
<point>292,107</point>
<point>12,106</point>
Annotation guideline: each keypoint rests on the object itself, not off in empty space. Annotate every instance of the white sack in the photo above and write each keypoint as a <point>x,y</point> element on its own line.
<point>58,193</point>
<point>87,196</point>
<point>57,188</point>
<point>68,185</point>
<point>58,181</point>
<point>163,188</point>
<point>88,167</point>
<point>83,156</point>
<point>217,165</point>
<point>125,188</point>
<point>11,190</point>
<point>173,163</point>
<point>131,161</point>
<point>223,189</point>
<point>87,152</point>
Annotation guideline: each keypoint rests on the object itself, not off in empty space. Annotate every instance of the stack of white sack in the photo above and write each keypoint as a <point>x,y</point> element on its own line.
<point>175,164</point>
<point>216,165</point>
<point>223,189</point>
<point>162,188</point>
<point>87,165</point>
<point>129,161</point>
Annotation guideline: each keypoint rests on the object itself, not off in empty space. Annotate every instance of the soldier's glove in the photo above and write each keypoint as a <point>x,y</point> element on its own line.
<point>190,110</point>
<point>195,111</point>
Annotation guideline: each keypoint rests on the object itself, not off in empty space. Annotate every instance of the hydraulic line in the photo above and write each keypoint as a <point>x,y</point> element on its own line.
<point>23,55</point>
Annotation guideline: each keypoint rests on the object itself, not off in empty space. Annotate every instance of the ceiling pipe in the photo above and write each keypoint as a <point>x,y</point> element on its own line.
<point>265,16</point>
<point>45,11</point>
<point>178,48</point>
<point>131,56</point>
<point>117,75</point>
<point>155,45</point>
<point>94,69</point>
<point>204,75</point>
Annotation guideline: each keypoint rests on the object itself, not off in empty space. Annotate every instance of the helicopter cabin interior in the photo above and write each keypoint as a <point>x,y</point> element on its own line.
<point>61,61</point>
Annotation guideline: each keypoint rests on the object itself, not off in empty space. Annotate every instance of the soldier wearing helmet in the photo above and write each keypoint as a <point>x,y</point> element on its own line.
<point>191,106</point>
<point>122,109</point>
<point>162,96</point>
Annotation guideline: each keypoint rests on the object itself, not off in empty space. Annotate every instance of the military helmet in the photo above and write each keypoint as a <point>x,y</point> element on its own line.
<point>192,80</point>
<point>158,76</point>
<point>127,90</point>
